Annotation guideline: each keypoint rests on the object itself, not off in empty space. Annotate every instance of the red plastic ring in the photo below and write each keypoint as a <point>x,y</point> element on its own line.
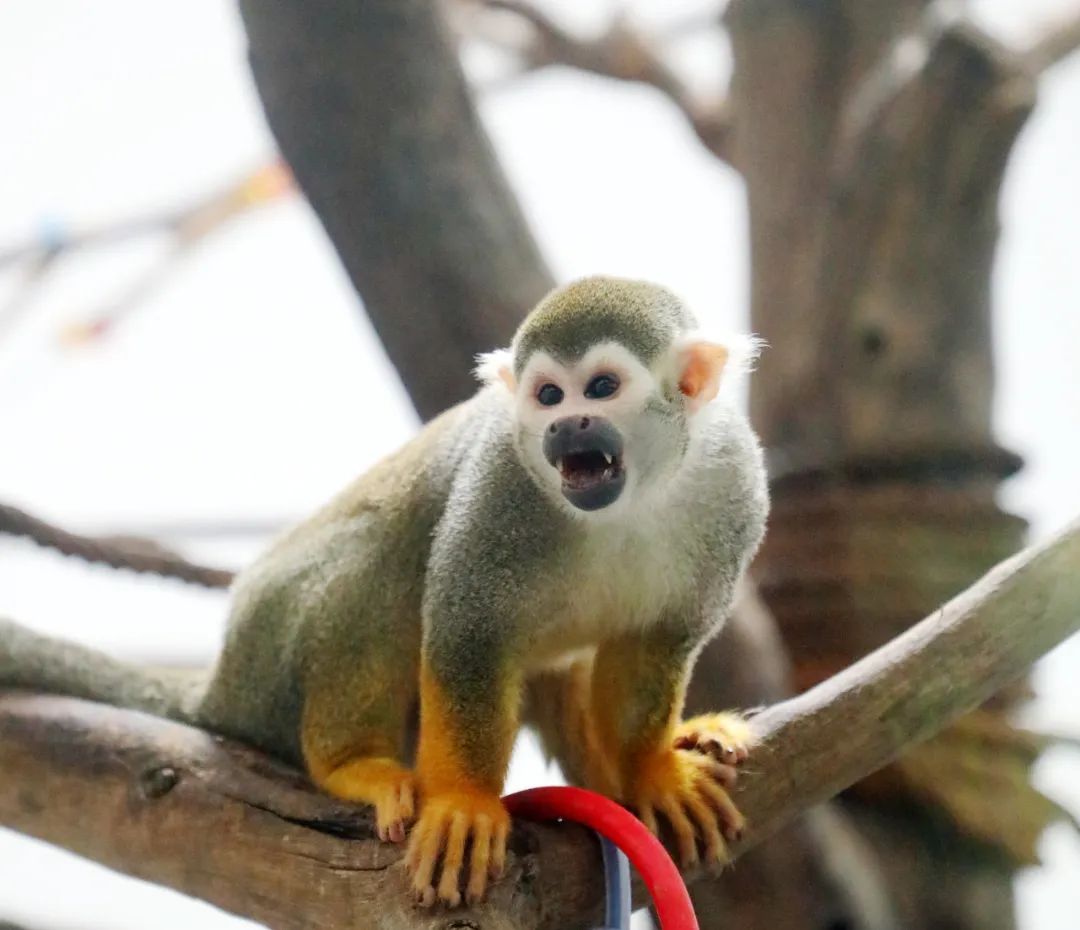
<point>654,865</point>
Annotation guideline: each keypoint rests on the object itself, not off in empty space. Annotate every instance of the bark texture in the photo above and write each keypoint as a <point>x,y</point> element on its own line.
<point>140,794</point>
<point>369,105</point>
<point>873,137</point>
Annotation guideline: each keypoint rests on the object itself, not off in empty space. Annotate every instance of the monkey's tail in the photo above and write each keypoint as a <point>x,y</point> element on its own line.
<point>44,663</point>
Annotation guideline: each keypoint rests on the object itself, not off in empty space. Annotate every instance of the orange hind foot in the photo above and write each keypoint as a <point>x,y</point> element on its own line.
<point>385,784</point>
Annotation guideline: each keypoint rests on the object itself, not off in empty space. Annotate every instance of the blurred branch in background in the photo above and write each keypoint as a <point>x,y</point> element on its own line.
<point>133,553</point>
<point>139,794</point>
<point>1055,45</point>
<point>622,51</point>
<point>182,229</point>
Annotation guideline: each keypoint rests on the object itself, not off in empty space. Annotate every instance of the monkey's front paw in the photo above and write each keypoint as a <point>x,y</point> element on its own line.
<point>682,786</point>
<point>384,784</point>
<point>727,738</point>
<point>449,822</point>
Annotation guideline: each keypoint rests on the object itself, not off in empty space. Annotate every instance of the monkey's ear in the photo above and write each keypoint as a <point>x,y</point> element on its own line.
<point>700,366</point>
<point>703,363</point>
<point>497,367</point>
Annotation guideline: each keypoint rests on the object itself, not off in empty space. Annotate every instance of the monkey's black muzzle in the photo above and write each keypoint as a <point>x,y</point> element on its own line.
<point>588,452</point>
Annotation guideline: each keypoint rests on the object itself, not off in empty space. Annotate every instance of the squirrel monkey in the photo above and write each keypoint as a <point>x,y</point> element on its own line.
<point>554,551</point>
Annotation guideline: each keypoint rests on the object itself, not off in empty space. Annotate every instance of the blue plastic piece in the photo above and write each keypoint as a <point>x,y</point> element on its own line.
<point>617,881</point>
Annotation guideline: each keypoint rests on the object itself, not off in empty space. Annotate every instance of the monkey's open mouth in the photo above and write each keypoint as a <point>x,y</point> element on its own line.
<point>585,470</point>
<point>588,454</point>
<point>591,479</point>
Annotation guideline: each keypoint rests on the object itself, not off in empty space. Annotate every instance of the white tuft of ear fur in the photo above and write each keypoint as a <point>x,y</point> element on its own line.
<point>496,368</point>
<point>744,349</point>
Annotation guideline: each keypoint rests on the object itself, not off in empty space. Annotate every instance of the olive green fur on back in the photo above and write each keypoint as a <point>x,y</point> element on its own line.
<point>642,316</point>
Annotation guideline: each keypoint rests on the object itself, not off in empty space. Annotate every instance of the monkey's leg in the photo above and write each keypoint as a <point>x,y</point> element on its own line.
<point>639,683</point>
<point>353,727</point>
<point>558,707</point>
<point>468,720</point>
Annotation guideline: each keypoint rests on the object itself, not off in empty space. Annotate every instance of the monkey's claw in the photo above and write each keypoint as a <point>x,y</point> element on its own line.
<point>450,824</point>
<point>683,787</point>
<point>727,738</point>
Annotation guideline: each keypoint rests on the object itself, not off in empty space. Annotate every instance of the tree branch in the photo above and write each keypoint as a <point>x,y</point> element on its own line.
<point>133,553</point>
<point>1055,45</point>
<point>621,52</point>
<point>909,689</point>
<point>139,794</point>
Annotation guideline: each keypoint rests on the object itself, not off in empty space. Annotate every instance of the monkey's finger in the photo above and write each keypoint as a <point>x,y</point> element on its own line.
<point>727,775</point>
<point>388,817</point>
<point>648,817</point>
<point>407,801</point>
<point>395,832</point>
<point>709,829</point>
<point>733,821</point>
<point>687,741</point>
<point>412,851</point>
<point>382,822</point>
<point>720,751</point>
<point>427,840</point>
<point>479,860</point>
<point>453,856</point>
<point>498,848</point>
<point>683,830</point>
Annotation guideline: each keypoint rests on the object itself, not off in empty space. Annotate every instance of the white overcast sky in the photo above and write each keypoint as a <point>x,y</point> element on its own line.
<point>249,386</point>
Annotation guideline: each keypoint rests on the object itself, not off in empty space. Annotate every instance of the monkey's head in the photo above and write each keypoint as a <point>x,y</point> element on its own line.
<point>608,379</point>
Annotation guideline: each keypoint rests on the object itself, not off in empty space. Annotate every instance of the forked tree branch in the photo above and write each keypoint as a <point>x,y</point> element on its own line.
<point>620,52</point>
<point>179,807</point>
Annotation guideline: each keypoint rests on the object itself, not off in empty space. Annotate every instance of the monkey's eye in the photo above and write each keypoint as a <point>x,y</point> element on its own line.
<point>601,386</point>
<point>549,394</point>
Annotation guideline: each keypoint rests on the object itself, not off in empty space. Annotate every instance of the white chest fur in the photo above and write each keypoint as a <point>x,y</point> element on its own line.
<point>624,577</point>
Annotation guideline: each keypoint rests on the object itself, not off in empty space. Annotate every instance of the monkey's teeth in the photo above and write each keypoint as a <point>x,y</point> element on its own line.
<point>559,464</point>
<point>607,458</point>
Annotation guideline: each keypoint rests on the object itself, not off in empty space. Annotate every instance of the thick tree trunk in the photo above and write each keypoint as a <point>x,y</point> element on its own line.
<point>873,136</point>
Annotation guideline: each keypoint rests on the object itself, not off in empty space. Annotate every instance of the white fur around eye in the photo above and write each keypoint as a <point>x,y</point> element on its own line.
<point>635,384</point>
<point>611,358</point>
